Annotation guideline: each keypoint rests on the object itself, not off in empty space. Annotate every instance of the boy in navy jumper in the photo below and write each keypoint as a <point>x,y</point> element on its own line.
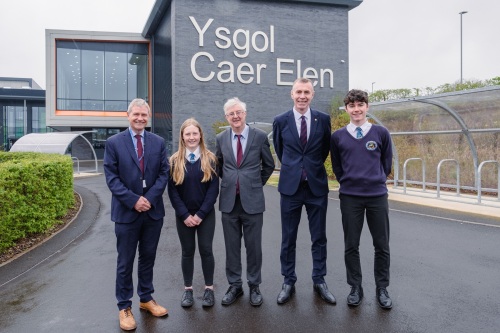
<point>361,160</point>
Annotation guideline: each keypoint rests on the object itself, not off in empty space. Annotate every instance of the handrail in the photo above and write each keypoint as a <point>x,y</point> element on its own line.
<point>439,175</point>
<point>479,169</point>
<point>77,163</point>
<point>404,172</point>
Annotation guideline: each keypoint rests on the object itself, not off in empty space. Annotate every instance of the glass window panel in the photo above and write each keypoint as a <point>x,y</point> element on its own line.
<point>92,74</point>
<point>11,117</point>
<point>116,74</point>
<point>113,131</point>
<point>116,105</point>
<point>15,121</point>
<point>69,104</point>
<point>99,138</point>
<point>138,76</point>
<point>101,75</point>
<point>38,119</point>
<point>68,73</point>
<point>93,105</point>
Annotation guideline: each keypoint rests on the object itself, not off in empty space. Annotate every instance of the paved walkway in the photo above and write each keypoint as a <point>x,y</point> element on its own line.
<point>444,277</point>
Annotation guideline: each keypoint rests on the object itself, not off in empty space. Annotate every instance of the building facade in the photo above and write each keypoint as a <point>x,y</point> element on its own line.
<point>191,57</point>
<point>205,52</point>
<point>22,110</point>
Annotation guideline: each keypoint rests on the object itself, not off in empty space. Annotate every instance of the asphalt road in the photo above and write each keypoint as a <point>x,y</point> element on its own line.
<point>445,277</point>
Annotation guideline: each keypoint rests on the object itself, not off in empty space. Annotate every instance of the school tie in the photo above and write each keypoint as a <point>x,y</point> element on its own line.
<point>239,157</point>
<point>303,132</point>
<point>359,133</point>
<point>140,152</point>
<point>303,142</point>
<point>191,158</point>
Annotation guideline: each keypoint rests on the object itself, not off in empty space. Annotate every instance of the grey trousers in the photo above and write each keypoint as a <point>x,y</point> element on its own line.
<point>238,224</point>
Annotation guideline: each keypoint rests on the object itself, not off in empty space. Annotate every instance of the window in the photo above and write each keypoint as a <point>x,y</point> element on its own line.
<point>38,120</point>
<point>100,76</point>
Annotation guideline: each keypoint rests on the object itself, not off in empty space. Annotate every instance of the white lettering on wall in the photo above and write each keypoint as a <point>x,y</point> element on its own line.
<point>323,72</point>
<point>280,72</point>
<point>193,66</point>
<point>245,72</point>
<point>286,73</point>
<point>218,32</point>
<point>201,32</point>
<point>243,42</point>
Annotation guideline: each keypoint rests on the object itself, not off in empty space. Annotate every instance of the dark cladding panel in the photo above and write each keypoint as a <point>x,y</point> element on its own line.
<point>253,50</point>
<point>162,81</point>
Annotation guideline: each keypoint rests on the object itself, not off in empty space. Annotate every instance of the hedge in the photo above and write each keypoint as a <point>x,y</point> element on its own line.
<point>35,190</point>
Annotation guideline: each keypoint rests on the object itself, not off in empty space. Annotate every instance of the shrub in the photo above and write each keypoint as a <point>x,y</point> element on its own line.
<point>35,190</point>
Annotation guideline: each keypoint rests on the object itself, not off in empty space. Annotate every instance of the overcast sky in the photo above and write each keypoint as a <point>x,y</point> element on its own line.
<point>394,43</point>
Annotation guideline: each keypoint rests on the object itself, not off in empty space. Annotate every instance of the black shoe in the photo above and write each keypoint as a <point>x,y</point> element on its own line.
<point>326,295</point>
<point>187,298</point>
<point>255,296</point>
<point>383,298</point>
<point>355,296</point>
<point>208,298</point>
<point>286,293</point>
<point>232,295</point>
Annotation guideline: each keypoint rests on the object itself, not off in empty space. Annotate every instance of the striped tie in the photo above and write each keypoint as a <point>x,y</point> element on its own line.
<point>140,152</point>
<point>359,133</point>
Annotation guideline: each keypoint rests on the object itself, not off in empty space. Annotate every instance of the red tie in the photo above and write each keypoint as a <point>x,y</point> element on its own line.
<point>140,152</point>
<point>239,151</point>
<point>239,157</point>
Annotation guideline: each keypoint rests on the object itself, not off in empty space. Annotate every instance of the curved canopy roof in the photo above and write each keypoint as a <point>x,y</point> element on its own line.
<point>474,110</point>
<point>471,114</point>
<point>53,142</point>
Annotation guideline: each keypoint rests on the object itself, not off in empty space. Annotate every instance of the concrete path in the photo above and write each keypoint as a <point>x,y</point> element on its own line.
<point>445,274</point>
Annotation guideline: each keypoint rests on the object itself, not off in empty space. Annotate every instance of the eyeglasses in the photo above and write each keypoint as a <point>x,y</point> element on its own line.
<point>236,113</point>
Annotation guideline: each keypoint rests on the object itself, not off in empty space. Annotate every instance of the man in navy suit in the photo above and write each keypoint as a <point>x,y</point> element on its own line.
<point>301,140</point>
<point>136,169</point>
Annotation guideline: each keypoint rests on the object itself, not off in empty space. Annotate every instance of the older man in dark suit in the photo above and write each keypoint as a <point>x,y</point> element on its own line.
<point>136,169</point>
<point>301,141</point>
<point>246,163</point>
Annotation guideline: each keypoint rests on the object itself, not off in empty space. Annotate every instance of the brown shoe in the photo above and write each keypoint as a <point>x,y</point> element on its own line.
<point>154,308</point>
<point>127,321</point>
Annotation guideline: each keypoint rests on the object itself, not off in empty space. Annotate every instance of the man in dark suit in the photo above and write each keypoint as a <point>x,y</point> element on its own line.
<point>301,141</point>
<point>245,163</point>
<point>136,169</point>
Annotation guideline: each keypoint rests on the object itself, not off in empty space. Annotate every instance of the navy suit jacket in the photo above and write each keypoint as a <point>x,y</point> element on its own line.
<point>293,158</point>
<point>124,177</point>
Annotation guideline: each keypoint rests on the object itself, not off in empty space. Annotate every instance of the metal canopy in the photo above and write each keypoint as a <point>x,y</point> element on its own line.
<point>53,143</point>
<point>473,114</point>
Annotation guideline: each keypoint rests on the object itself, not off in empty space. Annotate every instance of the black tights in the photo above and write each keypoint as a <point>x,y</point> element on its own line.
<point>187,236</point>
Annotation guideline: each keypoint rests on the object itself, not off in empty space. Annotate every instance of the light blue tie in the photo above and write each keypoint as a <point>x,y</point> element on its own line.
<point>359,133</point>
<point>191,158</point>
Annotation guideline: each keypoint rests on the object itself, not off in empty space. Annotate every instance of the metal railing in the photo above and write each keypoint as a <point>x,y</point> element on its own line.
<point>458,187</point>
<point>438,180</point>
<point>75,159</point>
<point>479,187</point>
<point>404,172</point>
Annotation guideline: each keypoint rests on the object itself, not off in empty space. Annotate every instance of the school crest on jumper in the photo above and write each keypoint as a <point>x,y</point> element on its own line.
<point>371,145</point>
